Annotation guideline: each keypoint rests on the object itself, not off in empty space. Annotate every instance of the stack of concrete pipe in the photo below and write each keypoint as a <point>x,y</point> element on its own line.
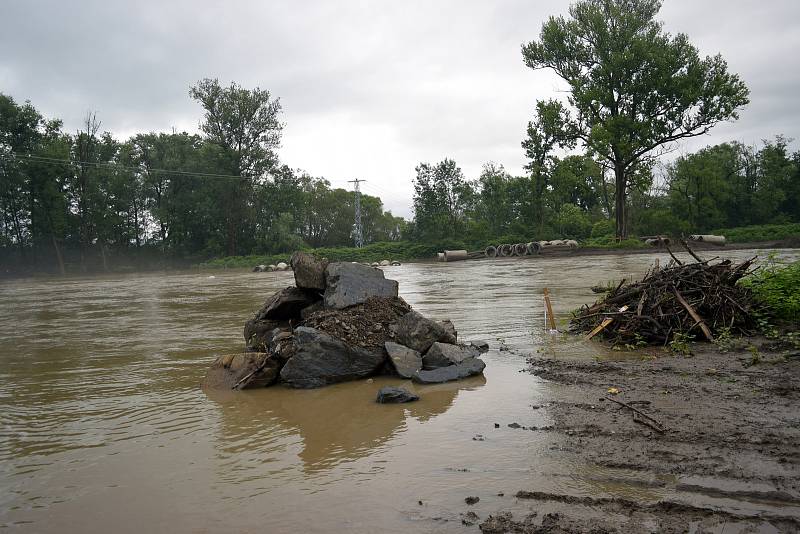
<point>508,250</point>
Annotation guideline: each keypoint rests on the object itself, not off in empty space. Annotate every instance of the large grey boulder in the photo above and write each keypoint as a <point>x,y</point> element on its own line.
<point>351,283</point>
<point>419,333</point>
<point>309,271</point>
<point>468,367</point>
<point>320,359</point>
<point>246,370</point>
<point>450,328</point>
<point>392,395</point>
<point>444,354</point>
<point>285,304</point>
<point>405,361</point>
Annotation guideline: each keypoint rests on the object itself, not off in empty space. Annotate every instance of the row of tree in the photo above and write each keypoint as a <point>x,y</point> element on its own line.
<point>723,186</point>
<point>633,92</point>
<point>83,199</point>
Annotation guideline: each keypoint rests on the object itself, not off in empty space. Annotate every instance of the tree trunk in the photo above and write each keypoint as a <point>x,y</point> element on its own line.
<point>620,201</point>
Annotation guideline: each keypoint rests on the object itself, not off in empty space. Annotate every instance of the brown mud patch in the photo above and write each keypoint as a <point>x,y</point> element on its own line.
<point>728,458</point>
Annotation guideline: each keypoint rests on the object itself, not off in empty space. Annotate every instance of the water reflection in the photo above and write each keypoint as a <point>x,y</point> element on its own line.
<point>335,424</point>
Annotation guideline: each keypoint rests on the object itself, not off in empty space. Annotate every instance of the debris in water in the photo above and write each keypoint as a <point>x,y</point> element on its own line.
<point>680,299</point>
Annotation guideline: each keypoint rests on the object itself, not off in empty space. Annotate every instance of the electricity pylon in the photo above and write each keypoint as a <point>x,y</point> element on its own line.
<point>358,233</point>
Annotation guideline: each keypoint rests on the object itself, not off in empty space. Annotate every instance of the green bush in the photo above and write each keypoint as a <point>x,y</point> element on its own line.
<point>777,287</point>
<point>764,232</point>
<point>610,242</point>
<point>572,222</point>
<point>606,227</point>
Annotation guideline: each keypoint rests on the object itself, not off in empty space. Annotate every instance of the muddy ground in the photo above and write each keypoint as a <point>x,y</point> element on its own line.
<point>727,461</point>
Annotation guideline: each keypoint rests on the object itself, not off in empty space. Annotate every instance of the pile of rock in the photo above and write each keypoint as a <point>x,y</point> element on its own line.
<point>342,321</point>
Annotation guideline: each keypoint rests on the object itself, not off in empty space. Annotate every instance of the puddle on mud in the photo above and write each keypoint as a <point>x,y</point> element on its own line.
<point>103,426</point>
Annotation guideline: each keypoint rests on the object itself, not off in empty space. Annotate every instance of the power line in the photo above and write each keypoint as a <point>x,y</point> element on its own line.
<point>357,230</point>
<point>55,161</point>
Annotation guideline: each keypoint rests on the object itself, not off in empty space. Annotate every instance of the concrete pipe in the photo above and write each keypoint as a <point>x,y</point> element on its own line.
<point>520,249</point>
<point>533,247</point>
<point>455,255</point>
<point>505,250</point>
<point>440,256</point>
<point>490,251</point>
<point>709,238</point>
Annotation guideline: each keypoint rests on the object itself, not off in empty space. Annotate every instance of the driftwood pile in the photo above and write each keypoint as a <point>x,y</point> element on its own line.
<point>698,299</point>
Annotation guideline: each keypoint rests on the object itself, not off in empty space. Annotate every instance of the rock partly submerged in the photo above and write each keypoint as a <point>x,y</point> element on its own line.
<point>393,395</point>
<point>320,359</point>
<point>342,321</point>
<point>467,368</point>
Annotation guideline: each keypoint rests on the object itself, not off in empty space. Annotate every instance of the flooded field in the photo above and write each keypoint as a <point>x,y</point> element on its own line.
<point>103,426</point>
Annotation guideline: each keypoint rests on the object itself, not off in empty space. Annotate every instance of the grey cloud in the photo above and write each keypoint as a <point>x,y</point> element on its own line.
<point>369,89</point>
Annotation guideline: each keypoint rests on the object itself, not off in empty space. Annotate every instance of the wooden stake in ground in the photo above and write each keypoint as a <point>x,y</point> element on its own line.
<point>549,310</point>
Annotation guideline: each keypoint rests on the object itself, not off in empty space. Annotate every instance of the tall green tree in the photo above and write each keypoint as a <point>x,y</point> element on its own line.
<point>634,89</point>
<point>545,133</point>
<point>442,199</point>
<point>245,125</point>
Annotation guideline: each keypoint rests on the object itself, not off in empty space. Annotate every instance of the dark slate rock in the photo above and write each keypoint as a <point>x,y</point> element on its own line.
<point>309,271</point>
<point>391,395</point>
<point>351,283</point>
<point>405,361</point>
<point>320,359</point>
<point>469,367</point>
<point>450,328</point>
<point>418,332</point>
<point>246,370</point>
<point>285,305</point>
<point>444,354</point>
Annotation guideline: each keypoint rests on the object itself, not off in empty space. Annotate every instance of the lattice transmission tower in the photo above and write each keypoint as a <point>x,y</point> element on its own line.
<point>358,233</point>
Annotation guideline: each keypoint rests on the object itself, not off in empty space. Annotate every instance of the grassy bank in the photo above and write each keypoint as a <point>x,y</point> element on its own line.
<point>408,251</point>
<point>764,232</point>
<point>394,251</point>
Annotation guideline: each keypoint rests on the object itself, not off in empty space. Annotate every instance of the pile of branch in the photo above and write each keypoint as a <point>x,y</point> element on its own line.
<point>698,299</point>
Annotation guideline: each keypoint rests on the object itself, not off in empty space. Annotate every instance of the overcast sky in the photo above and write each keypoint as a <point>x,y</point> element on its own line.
<point>369,89</point>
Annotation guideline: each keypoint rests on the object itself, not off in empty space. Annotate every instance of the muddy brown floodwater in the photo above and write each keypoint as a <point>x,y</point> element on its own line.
<point>103,427</point>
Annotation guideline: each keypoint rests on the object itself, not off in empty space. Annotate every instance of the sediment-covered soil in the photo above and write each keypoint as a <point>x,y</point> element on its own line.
<point>728,458</point>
